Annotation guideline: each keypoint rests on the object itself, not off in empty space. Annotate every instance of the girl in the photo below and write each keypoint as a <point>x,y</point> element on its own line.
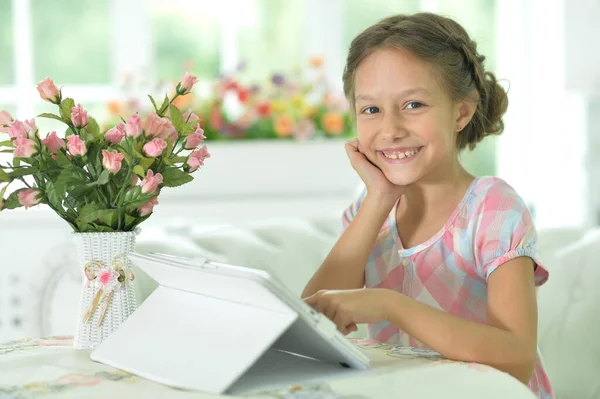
<point>432,256</point>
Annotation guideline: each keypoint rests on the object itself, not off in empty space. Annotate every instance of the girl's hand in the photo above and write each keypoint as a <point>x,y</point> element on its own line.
<point>371,175</point>
<point>347,308</point>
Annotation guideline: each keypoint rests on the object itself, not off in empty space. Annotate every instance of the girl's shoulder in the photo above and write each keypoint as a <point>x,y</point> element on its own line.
<point>492,193</point>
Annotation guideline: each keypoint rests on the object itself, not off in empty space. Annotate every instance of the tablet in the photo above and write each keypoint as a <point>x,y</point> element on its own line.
<point>219,328</point>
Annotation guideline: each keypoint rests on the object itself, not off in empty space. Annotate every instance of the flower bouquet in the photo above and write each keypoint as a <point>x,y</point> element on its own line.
<point>103,184</point>
<point>284,106</point>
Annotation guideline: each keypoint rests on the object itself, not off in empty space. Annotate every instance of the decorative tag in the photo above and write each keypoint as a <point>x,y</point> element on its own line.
<point>106,279</point>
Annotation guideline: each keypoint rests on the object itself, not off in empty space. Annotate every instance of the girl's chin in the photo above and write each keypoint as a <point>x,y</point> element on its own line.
<point>404,180</point>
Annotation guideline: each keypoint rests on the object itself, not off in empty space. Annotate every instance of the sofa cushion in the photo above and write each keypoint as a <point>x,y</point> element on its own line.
<point>569,319</point>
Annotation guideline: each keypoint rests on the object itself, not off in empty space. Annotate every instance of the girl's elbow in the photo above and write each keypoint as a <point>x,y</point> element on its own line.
<point>524,370</point>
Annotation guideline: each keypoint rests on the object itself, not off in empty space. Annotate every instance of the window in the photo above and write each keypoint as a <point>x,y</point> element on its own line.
<point>7,76</point>
<point>185,35</point>
<point>359,15</point>
<point>79,51</point>
<point>272,41</point>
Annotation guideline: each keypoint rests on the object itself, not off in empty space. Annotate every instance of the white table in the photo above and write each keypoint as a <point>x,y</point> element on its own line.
<point>51,368</point>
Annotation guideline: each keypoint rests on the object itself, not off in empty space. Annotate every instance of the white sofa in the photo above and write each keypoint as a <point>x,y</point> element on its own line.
<point>292,249</point>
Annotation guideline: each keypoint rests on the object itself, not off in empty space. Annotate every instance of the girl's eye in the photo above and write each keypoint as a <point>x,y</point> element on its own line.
<point>370,110</point>
<point>414,105</point>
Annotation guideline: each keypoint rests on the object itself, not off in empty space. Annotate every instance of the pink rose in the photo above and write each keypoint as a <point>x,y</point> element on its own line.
<point>134,180</point>
<point>155,126</point>
<point>151,182</point>
<point>194,139</point>
<point>18,129</point>
<point>189,116</point>
<point>116,134</point>
<point>186,83</point>
<point>30,197</point>
<point>133,128</point>
<point>147,208</point>
<point>49,91</point>
<point>5,120</point>
<point>170,131</point>
<point>25,147</point>
<point>111,160</point>
<point>155,147</point>
<point>76,145</point>
<point>31,128</point>
<point>53,142</point>
<point>196,159</point>
<point>79,116</point>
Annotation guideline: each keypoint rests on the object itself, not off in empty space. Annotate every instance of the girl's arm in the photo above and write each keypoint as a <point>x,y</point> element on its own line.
<point>344,267</point>
<point>507,342</point>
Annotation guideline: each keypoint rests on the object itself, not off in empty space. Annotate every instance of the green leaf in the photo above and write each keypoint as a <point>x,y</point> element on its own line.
<point>7,143</point>
<point>20,172</point>
<point>102,179</point>
<point>130,222</point>
<point>62,160</point>
<point>89,213</point>
<point>16,162</point>
<point>153,103</point>
<point>4,177</point>
<point>51,116</point>
<point>176,117</point>
<point>170,147</point>
<point>93,128</point>
<point>12,202</point>
<point>93,158</point>
<point>189,128</point>
<point>109,218</point>
<point>66,106</point>
<point>85,227</point>
<point>138,170</point>
<point>125,155</point>
<point>134,198</point>
<point>144,162</point>
<point>79,191</point>
<point>55,195</point>
<point>164,105</point>
<point>141,200</point>
<point>101,229</point>
<point>3,191</point>
<point>132,194</point>
<point>75,201</point>
<point>7,151</point>
<point>179,159</point>
<point>174,177</point>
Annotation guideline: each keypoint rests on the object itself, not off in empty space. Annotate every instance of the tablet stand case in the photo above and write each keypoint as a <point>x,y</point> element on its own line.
<point>192,341</point>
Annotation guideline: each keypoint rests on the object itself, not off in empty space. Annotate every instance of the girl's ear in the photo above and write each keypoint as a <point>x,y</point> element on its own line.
<point>465,109</point>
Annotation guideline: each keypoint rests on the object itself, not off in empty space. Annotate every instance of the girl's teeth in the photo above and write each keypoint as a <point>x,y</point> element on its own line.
<point>401,155</point>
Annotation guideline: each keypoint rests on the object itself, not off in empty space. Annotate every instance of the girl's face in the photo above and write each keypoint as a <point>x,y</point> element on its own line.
<point>407,122</point>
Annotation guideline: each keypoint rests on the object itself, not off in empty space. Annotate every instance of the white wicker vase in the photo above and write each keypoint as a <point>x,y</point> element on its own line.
<point>103,250</point>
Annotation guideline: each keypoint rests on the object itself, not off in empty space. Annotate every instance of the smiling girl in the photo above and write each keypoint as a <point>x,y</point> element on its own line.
<point>432,256</point>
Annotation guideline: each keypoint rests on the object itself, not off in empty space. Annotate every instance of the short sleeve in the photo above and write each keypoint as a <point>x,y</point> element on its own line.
<point>350,212</point>
<point>505,231</point>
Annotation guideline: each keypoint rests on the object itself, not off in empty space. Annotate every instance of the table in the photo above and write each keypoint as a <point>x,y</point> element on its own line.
<point>51,368</point>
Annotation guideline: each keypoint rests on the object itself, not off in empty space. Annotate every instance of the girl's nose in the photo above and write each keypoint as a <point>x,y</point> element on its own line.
<point>393,127</point>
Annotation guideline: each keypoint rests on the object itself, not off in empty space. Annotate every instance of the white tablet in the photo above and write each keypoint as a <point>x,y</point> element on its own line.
<point>218,328</point>
<point>312,335</point>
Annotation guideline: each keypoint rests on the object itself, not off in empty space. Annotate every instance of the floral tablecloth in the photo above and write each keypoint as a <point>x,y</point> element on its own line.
<point>51,368</point>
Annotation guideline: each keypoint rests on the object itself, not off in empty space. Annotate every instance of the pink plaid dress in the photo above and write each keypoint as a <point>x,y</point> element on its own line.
<point>490,226</point>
